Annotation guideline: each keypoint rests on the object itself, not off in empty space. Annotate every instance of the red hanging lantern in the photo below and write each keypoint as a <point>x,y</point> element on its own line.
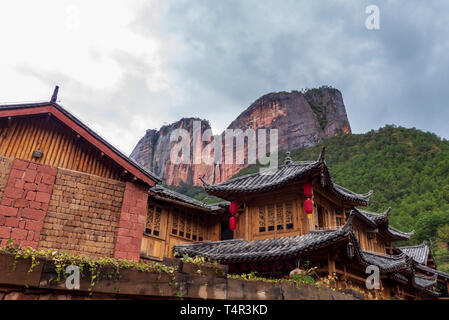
<point>308,206</point>
<point>233,208</point>
<point>308,190</point>
<point>232,223</point>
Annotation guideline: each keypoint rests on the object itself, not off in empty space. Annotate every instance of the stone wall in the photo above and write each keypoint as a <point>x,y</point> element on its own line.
<point>25,202</point>
<point>132,222</point>
<point>5,168</point>
<point>134,284</point>
<point>83,214</point>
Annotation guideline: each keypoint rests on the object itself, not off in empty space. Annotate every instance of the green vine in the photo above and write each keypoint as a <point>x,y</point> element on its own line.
<point>89,265</point>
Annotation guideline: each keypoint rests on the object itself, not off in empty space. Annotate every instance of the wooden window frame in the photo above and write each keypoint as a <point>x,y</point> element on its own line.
<point>193,227</point>
<point>269,221</point>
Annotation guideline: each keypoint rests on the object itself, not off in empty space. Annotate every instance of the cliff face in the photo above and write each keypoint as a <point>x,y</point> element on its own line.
<point>302,120</point>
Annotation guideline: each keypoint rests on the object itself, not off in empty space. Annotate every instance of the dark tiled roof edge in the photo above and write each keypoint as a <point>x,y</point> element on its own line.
<point>146,172</point>
<point>171,194</point>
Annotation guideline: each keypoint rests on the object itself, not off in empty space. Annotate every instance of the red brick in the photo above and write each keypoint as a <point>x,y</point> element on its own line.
<point>123,232</point>
<point>31,186</point>
<point>2,220</point>
<point>8,202</point>
<point>32,166</point>
<point>16,174</point>
<point>34,225</point>
<point>31,195</point>
<point>8,211</point>
<point>44,188</point>
<point>35,205</point>
<point>30,175</point>
<point>21,203</point>
<point>22,224</point>
<point>19,234</point>
<point>14,193</point>
<point>123,240</point>
<point>33,214</point>
<point>20,164</point>
<point>47,170</point>
<point>12,222</point>
<point>124,216</point>
<point>32,244</point>
<point>43,197</point>
<point>38,178</point>
<point>48,179</point>
<point>19,183</point>
<point>30,236</point>
<point>5,232</point>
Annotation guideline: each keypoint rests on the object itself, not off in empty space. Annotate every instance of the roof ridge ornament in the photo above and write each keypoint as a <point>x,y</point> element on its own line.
<point>287,160</point>
<point>205,184</point>
<point>54,97</point>
<point>322,155</point>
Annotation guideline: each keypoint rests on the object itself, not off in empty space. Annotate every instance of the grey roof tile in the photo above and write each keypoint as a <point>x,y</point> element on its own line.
<point>171,194</point>
<point>274,178</point>
<point>419,253</point>
<point>239,250</point>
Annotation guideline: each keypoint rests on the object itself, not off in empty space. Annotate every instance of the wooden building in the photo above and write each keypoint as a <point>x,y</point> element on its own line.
<point>274,235</point>
<point>64,187</point>
<point>174,218</point>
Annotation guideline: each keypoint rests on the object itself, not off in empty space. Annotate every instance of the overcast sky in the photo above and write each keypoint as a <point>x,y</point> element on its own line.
<point>127,66</point>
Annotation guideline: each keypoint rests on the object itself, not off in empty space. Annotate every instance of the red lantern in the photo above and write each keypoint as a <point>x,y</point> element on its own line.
<point>308,206</point>
<point>232,223</point>
<point>233,208</point>
<point>308,191</point>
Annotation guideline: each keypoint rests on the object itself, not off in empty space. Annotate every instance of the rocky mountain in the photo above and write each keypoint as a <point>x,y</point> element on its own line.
<point>302,119</point>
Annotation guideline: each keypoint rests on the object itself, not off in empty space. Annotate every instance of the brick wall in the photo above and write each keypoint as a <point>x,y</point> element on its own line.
<point>25,201</point>
<point>83,214</point>
<point>132,222</point>
<point>5,168</point>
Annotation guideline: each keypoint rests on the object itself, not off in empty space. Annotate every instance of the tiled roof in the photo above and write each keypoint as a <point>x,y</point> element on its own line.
<point>239,250</point>
<point>170,194</point>
<point>419,253</point>
<point>378,219</point>
<point>425,282</point>
<point>52,104</point>
<point>439,273</point>
<point>287,173</point>
<point>386,263</point>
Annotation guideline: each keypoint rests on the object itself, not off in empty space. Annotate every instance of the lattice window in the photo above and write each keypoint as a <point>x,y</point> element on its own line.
<point>277,216</point>
<point>271,217</point>
<point>153,224</point>
<point>289,214</point>
<point>188,225</point>
<point>175,217</point>
<point>262,224</point>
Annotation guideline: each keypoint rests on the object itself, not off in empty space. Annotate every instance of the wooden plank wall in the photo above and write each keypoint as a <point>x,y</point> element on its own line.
<point>156,247</point>
<point>61,146</point>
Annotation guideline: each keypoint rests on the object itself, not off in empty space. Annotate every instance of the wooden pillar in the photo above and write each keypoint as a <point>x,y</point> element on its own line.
<point>330,264</point>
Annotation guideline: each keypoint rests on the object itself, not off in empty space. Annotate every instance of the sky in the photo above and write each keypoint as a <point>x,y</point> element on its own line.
<point>127,66</point>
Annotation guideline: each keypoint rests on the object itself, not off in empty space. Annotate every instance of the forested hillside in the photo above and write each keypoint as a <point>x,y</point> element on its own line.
<point>408,170</point>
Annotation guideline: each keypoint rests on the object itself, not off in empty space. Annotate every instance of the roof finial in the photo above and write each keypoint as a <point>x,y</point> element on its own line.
<point>205,184</point>
<point>287,160</point>
<point>54,97</point>
<point>322,155</point>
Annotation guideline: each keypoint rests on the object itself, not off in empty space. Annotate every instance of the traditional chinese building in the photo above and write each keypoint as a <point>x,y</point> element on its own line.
<point>64,187</point>
<point>295,215</point>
